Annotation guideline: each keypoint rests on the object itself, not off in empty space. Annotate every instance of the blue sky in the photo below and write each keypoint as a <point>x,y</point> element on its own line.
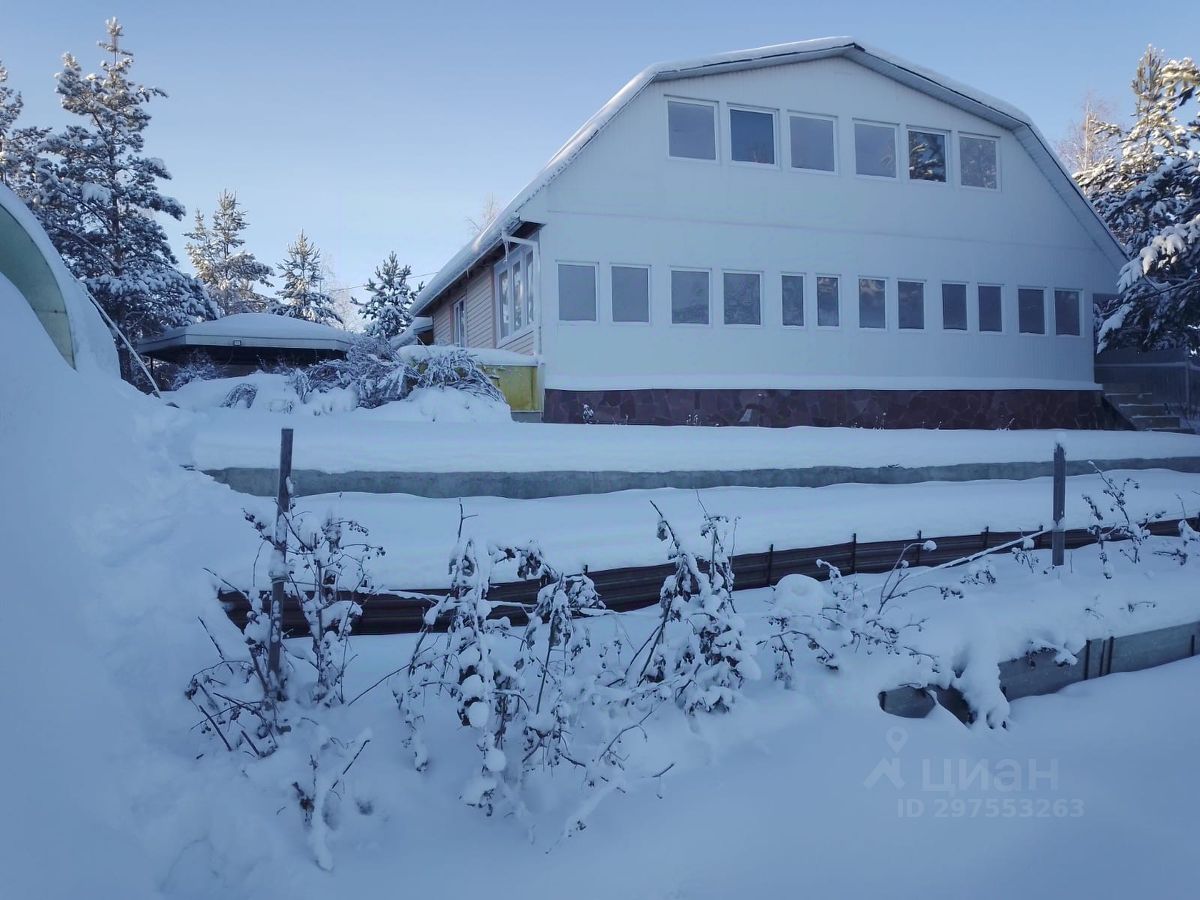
<point>384,125</point>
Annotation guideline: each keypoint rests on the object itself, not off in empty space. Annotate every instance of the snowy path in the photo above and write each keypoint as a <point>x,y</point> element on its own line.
<point>366,440</point>
<point>610,530</point>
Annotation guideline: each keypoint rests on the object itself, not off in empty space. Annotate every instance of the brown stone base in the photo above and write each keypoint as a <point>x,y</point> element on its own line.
<point>989,409</point>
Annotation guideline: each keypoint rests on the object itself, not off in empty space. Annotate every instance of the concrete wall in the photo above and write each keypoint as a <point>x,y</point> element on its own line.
<point>625,201</point>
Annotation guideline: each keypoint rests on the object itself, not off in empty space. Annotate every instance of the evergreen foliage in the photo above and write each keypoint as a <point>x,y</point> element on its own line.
<point>387,310</point>
<point>230,273</point>
<point>98,196</point>
<point>302,294</point>
<point>1149,194</point>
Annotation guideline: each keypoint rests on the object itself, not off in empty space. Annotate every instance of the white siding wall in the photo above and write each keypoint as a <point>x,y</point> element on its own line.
<point>624,201</point>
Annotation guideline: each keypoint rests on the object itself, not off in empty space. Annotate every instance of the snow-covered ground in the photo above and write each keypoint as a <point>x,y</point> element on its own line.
<point>112,791</point>
<point>232,438</point>
<point>611,530</point>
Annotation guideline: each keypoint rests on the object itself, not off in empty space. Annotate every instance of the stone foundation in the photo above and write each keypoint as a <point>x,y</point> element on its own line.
<point>988,409</point>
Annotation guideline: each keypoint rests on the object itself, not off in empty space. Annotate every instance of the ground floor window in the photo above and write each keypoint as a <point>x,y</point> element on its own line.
<point>515,284</point>
<point>872,308</point>
<point>1031,310</point>
<point>991,315</point>
<point>689,297</point>
<point>630,294</point>
<point>912,304</point>
<point>743,298</point>
<point>576,292</point>
<point>1066,312</point>
<point>954,307</point>
<point>828,303</point>
<point>793,299</point>
<point>460,323</point>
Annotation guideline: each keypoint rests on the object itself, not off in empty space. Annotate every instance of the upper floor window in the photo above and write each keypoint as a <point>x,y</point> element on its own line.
<point>926,155</point>
<point>630,294</point>
<point>514,286</point>
<point>689,297</point>
<point>875,149</point>
<point>1066,312</point>
<point>752,136</point>
<point>743,298</point>
<point>692,129</point>
<point>813,143</point>
<point>872,308</point>
<point>1031,310</point>
<point>977,161</point>
<point>576,292</point>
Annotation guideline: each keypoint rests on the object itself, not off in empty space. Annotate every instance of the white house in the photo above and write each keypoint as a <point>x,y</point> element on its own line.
<point>808,233</point>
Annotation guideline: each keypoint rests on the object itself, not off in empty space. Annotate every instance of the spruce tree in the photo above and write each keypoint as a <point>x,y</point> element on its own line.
<point>228,272</point>
<point>302,294</point>
<point>98,197</point>
<point>1149,194</point>
<point>387,311</point>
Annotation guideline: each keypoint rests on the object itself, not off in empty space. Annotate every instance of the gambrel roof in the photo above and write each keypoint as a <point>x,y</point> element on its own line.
<point>916,77</point>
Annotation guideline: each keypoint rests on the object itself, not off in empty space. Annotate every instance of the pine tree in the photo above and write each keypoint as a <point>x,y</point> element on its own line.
<point>387,310</point>
<point>98,196</point>
<point>18,146</point>
<point>229,273</point>
<point>1149,194</point>
<point>302,295</point>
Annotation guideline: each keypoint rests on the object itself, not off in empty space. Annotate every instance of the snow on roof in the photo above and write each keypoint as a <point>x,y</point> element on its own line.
<point>917,77</point>
<point>253,330</point>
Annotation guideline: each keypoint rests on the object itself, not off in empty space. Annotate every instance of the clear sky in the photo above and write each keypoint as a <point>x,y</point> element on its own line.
<point>379,125</point>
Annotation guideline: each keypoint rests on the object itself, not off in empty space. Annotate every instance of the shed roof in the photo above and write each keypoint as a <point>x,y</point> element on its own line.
<point>251,330</point>
<point>917,77</point>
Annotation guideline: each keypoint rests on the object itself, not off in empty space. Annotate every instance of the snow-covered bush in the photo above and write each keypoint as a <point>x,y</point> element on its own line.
<point>250,703</point>
<point>1111,521</point>
<point>196,366</point>
<point>379,374</point>
<point>699,655</point>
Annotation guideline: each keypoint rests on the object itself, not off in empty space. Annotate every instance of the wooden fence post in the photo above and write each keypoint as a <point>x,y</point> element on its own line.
<point>1058,537</point>
<point>283,503</point>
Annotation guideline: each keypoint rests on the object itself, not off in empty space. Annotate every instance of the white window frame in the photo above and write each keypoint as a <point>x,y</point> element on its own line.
<point>949,139</point>
<point>995,139</point>
<point>524,256</point>
<point>1079,307</point>
<point>966,286</point>
<point>803,276</point>
<point>730,108</point>
<point>573,323</point>
<point>761,304</point>
<point>708,273</point>
<point>887,323</point>
<point>895,126</point>
<point>649,295</point>
<point>717,136</point>
<point>459,322</point>
<point>841,322</point>
<point>1004,316</point>
<point>837,155</point>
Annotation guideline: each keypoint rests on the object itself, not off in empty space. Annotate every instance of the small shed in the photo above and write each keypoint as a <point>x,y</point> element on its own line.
<point>245,342</point>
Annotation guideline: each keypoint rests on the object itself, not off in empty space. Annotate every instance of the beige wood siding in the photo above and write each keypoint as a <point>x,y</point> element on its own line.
<point>522,344</point>
<point>443,323</point>
<point>481,310</point>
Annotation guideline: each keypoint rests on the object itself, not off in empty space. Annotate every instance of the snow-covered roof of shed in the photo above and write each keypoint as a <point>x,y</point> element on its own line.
<point>252,330</point>
<point>917,77</point>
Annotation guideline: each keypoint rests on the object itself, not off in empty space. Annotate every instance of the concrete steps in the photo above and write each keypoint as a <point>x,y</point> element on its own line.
<point>1142,410</point>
